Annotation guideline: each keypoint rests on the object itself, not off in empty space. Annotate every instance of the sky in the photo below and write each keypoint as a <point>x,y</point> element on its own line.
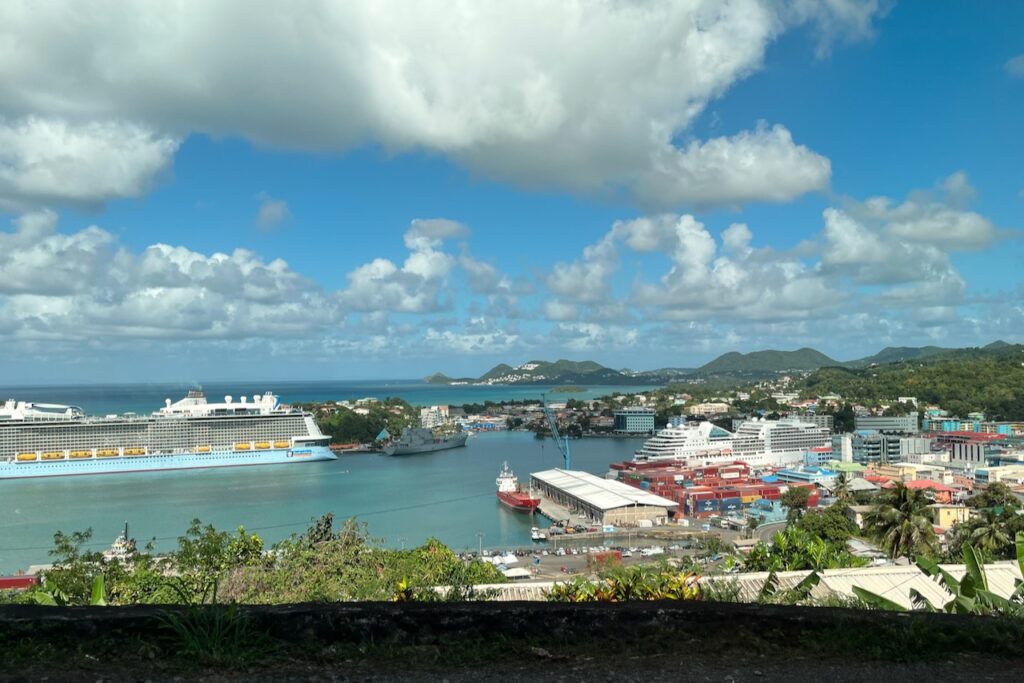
<point>359,190</point>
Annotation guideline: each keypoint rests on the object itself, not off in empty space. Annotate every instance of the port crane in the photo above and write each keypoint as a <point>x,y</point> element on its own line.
<point>561,441</point>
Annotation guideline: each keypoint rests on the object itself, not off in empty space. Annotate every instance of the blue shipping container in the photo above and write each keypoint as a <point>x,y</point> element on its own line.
<point>731,504</point>
<point>707,505</point>
<point>645,484</point>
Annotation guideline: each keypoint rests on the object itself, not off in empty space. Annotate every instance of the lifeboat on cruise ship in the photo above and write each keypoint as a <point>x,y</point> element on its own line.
<point>53,455</point>
<point>26,457</point>
<point>282,444</point>
<point>203,449</point>
<point>78,455</point>
<point>135,451</point>
<point>242,446</point>
<point>262,445</point>
<point>107,453</point>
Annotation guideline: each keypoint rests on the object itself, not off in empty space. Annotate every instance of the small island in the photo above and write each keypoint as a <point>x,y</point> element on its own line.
<point>568,389</point>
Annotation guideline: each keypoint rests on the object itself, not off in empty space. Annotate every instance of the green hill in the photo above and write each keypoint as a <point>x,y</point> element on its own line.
<point>768,361</point>
<point>897,354</point>
<point>961,381</point>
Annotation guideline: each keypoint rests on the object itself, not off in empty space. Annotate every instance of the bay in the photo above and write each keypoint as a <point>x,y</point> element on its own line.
<point>404,500</point>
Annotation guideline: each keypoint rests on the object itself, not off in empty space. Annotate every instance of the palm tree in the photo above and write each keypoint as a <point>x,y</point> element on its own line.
<point>901,523</point>
<point>989,534</point>
<point>841,489</point>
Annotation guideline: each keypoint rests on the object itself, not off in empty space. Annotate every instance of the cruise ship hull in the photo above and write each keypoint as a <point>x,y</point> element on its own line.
<point>160,463</point>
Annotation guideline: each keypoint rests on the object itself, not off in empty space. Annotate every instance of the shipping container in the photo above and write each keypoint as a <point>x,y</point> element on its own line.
<point>729,504</point>
<point>708,505</point>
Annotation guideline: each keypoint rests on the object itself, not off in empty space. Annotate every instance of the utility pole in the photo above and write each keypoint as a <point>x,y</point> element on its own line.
<point>480,543</point>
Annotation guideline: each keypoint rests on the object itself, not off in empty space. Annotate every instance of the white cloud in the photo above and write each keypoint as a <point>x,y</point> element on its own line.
<point>1015,66</point>
<point>416,287</point>
<point>935,217</point>
<point>84,285</point>
<point>877,252</point>
<point>430,233</point>
<point>49,160</point>
<point>272,212</point>
<point>763,164</point>
<point>575,94</point>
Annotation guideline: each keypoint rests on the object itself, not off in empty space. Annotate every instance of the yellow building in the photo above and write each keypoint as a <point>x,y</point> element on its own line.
<point>945,516</point>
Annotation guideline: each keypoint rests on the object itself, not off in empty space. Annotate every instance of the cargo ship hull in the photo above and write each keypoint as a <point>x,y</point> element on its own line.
<point>162,462</point>
<point>517,501</point>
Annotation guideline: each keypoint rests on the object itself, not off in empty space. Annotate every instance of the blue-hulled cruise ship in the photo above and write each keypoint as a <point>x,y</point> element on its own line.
<point>48,440</point>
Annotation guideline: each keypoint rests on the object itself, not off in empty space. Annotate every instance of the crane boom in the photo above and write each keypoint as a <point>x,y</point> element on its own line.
<point>562,442</point>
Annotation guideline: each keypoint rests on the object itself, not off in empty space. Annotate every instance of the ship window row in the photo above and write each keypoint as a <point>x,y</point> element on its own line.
<point>157,437</point>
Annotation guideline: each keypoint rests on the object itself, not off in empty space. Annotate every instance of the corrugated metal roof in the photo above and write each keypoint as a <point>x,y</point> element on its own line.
<point>892,581</point>
<point>603,494</point>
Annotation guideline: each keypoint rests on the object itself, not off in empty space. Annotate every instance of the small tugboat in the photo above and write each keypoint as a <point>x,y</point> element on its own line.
<point>511,495</point>
<point>122,548</point>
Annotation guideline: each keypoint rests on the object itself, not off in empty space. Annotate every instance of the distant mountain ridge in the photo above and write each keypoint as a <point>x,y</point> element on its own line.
<point>728,365</point>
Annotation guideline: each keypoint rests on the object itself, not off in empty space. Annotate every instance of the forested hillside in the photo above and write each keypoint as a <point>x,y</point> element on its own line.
<point>993,384</point>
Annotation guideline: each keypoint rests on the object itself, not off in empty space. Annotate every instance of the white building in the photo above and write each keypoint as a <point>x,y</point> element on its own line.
<point>434,416</point>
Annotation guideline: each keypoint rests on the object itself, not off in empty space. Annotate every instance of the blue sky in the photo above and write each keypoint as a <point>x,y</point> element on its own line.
<point>349,191</point>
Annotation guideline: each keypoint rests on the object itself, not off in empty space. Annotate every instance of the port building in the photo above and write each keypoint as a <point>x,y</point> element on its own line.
<point>634,420</point>
<point>604,501</point>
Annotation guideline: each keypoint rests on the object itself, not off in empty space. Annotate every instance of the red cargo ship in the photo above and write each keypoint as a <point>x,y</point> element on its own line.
<point>511,495</point>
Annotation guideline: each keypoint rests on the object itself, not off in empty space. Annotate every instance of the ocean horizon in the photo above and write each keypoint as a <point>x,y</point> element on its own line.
<point>145,397</point>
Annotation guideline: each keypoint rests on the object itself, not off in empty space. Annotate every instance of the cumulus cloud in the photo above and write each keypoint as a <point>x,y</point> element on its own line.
<point>527,92</point>
<point>85,285</point>
<point>763,164</point>
<point>52,161</point>
<point>419,284</point>
<point>272,212</point>
<point>893,254</point>
<point>1015,66</point>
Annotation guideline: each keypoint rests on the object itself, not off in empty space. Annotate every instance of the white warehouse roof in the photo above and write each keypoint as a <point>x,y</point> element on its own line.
<point>601,493</point>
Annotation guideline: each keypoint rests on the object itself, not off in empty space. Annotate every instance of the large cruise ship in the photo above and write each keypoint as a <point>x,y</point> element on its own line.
<point>47,440</point>
<point>758,443</point>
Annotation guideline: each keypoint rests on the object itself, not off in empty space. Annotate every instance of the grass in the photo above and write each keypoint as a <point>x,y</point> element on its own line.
<point>216,635</point>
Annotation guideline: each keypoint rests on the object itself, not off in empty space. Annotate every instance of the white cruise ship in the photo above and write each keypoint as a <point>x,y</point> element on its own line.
<point>758,443</point>
<point>47,440</point>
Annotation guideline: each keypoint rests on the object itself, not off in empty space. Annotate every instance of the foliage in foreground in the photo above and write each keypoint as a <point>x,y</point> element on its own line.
<point>320,565</point>
<point>635,583</point>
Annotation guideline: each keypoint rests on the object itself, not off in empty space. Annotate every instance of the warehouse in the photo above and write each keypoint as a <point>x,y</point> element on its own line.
<point>603,501</point>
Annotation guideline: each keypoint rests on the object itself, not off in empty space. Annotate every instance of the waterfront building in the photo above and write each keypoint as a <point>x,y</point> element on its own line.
<point>903,424</point>
<point>602,501</point>
<point>634,420</point>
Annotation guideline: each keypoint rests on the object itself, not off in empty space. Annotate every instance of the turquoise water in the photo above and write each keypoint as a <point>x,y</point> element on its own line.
<point>447,494</point>
<point>145,398</point>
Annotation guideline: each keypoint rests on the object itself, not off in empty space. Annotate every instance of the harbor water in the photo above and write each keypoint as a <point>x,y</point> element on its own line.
<point>404,500</point>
